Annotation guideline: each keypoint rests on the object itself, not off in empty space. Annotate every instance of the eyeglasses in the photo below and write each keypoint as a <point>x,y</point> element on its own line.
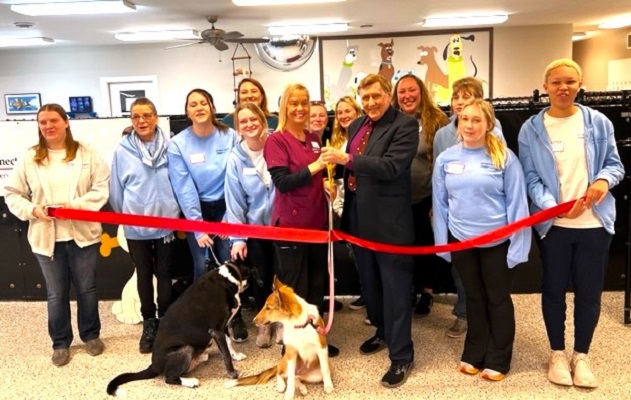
<point>146,117</point>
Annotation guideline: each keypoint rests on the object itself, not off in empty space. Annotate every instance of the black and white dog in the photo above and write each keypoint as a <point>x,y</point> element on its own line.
<point>198,317</point>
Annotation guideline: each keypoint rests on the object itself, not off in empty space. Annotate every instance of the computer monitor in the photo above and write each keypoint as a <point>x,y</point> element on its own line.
<point>81,104</point>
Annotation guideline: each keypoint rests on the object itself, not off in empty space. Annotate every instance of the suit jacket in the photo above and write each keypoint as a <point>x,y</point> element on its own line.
<point>382,173</point>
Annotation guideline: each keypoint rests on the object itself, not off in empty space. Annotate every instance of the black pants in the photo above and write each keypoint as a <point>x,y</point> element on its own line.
<point>386,281</point>
<point>153,257</point>
<point>490,313</point>
<point>427,267</point>
<point>303,266</point>
<point>261,255</point>
<point>579,256</point>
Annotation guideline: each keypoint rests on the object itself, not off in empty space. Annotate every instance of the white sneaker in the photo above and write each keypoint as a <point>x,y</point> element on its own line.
<point>559,369</point>
<point>582,371</point>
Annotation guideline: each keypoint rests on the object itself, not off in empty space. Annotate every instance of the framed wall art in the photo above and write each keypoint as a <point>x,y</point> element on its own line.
<point>437,57</point>
<point>22,103</point>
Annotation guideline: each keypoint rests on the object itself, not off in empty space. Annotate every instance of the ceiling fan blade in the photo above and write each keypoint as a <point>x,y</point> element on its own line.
<point>247,40</point>
<point>184,45</point>
<point>220,45</point>
<point>233,35</point>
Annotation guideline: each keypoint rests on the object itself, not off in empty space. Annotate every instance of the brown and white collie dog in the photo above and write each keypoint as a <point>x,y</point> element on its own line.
<point>306,357</point>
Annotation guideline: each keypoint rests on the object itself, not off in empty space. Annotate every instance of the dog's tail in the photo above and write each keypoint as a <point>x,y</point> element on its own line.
<point>121,379</point>
<point>261,378</point>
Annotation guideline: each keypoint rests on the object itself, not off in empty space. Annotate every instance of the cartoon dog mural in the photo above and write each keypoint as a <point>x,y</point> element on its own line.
<point>435,79</point>
<point>343,86</point>
<point>454,57</point>
<point>385,68</point>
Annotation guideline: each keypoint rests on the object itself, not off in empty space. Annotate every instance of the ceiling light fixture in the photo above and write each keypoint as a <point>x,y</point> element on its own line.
<point>75,8</point>
<point>307,29</point>
<point>23,42</point>
<point>464,20</point>
<point>578,36</point>
<point>620,21</point>
<point>257,3</point>
<point>145,36</point>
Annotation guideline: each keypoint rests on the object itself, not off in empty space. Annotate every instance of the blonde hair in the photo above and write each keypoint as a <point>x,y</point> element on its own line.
<point>256,110</point>
<point>340,134</point>
<point>562,62</point>
<point>282,112</point>
<point>430,116</point>
<point>495,148</point>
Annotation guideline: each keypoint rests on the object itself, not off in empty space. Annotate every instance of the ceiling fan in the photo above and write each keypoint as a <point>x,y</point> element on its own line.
<point>218,37</point>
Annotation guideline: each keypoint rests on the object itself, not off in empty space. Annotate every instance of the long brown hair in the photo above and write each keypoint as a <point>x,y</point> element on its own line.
<point>41,149</point>
<point>340,134</point>
<point>430,116</point>
<point>256,83</point>
<point>213,117</point>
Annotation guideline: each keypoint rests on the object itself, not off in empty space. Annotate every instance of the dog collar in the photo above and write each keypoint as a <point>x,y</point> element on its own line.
<point>310,321</point>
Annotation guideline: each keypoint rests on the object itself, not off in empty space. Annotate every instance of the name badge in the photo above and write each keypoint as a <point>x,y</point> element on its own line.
<point>454,168</point>
<point>197,158</point>
<point>557,146</point>
<point>249,171</point>
<point>315,145</point>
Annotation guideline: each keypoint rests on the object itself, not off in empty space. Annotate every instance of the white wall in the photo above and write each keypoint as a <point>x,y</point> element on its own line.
<point>58,73</point>
<point>520,55</point>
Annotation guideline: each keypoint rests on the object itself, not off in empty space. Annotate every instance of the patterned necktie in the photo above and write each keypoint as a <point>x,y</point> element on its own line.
<point>359,150</point>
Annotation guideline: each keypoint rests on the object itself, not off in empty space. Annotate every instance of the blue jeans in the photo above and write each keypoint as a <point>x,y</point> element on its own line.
<point>71,264</point>
<point>212,211</point>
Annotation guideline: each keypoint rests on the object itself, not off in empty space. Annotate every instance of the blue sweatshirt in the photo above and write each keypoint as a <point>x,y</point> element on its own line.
<point>139,184</point>
<point>197,168</point>
<point>472,197</point>
<point>447,136</point>
<point>542,178</point>
<point>248,200</point>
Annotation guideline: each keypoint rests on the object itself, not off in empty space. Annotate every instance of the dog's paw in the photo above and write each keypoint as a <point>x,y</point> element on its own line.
<point>120,392</point>
<point>280,386</point>
<point>302,388</point>
<point>328,389</point>
<point>190,382</point>
<point>236,356</point>
<point>230,384</point>
<point>234,374</point>
<point>289,395</point>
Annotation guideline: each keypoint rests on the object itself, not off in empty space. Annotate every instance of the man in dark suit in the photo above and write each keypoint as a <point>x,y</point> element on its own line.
<point>377,207</point>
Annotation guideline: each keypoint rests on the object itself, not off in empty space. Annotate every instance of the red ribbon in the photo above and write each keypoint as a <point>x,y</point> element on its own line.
<point>302,235</point>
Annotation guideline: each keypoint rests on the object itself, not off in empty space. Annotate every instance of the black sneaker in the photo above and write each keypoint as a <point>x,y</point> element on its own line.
<point>246,303</point>
<point>358,304</point>
<point>372,346</point>
<point>333,351</point>
<point>149,331</point>
<point>397,375</point>
<point>424,305</point>
<point>237,330</point>
<point>324,307</point>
